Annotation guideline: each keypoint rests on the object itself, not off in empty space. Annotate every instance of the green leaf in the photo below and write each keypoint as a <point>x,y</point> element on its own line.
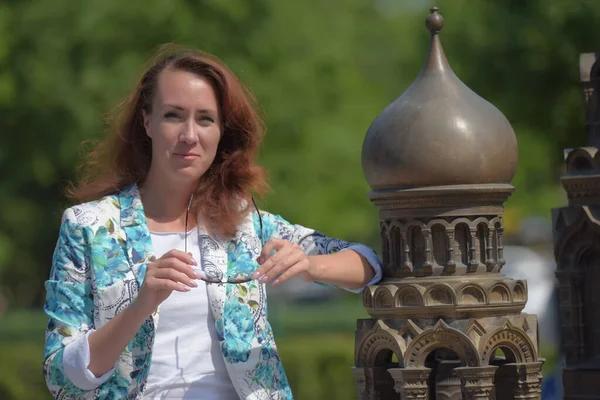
<point>243,290</point>
<point>253,304</point>
<point>64,332</point>
<point>241,300</point>
<point>110,226</point>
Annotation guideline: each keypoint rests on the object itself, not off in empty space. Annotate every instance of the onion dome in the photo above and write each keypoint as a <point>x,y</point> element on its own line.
<point>439,132</point>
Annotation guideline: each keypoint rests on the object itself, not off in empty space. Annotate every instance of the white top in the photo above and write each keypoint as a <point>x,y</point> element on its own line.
<point>186,358</point>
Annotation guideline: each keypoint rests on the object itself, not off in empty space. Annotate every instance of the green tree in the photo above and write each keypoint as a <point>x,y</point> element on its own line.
<point>322,72</point>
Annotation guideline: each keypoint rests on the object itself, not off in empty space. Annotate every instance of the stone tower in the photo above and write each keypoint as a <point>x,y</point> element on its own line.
<point>577,249</point>
<point>445,323</point>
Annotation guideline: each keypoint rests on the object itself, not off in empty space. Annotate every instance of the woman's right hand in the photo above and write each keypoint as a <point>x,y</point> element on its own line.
<point>173,271</point>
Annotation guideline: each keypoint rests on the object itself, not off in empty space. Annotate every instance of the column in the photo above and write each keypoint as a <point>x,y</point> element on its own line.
<point>490,258</point>
<point>451,266</point>
<point>428,264</point>
<point>474,254</point>
<point>387,252</point>
<point>383,384</point>
<point>528,380</point>
<point>411,383</point>
<point>448,385</point>
<point>477,382</point>
<point>501,262</point>
<point>361,382</point>
<point>374,383</point>
<point>407,267</point>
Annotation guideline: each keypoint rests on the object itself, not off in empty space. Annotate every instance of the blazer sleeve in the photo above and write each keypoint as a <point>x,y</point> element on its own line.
<point>69,305</point>
<point>313,242</point>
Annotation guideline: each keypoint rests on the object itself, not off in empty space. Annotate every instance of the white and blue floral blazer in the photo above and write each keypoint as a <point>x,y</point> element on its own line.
<point>98,268</point>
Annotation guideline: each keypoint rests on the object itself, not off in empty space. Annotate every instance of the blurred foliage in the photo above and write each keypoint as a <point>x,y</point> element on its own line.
<point>21,349</point>
<point>322,72</point>
<point>319,367</point>
<point>311,317</point>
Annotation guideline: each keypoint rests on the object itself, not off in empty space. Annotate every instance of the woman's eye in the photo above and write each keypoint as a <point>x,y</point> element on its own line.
<point>206,118</point>
<point>171,115</point>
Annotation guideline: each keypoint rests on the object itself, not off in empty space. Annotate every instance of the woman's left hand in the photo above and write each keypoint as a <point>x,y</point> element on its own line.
<point>289,260</point>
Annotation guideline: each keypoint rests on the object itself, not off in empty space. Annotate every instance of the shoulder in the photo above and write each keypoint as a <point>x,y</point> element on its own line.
<point>92,213</point>
<point>272,225</point>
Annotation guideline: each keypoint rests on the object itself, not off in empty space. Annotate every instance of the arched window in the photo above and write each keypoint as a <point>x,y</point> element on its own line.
<point>417,247</point>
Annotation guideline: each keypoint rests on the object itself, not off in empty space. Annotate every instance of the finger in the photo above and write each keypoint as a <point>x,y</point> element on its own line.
<point>272,244</point>
<point>202,276</point>
<point>177,264</point>
<point>180,255</point>
<point>175,276</point>
<point>268,248</point>
<point>167,284</point>
<point>284,252</point>
<point>284,261</point>
<point>294,270</point>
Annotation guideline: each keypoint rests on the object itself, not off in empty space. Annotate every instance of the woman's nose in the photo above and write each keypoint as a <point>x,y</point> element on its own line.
<point>188,132</point>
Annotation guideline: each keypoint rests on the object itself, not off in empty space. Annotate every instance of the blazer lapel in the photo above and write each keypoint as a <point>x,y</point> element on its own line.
<point>133,222</point>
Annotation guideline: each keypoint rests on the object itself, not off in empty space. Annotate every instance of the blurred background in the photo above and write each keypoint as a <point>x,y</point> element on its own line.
<point>322,71</point>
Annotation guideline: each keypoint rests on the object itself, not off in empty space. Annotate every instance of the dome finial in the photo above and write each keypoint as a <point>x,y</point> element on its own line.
<point>434,21</point>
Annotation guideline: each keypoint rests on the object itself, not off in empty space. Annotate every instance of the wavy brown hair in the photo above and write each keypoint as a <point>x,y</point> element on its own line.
<point>223,195</point>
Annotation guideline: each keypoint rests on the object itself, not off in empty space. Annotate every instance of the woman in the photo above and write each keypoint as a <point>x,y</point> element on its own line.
<point>166,226</point>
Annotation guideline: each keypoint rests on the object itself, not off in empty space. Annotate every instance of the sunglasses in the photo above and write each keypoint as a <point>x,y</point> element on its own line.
<point>211,273</point>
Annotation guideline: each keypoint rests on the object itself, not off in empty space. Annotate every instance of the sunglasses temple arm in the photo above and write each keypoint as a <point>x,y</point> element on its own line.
<point>187,211</point>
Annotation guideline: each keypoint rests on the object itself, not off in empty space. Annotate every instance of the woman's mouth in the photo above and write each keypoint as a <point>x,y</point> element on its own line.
<point>187,156</point>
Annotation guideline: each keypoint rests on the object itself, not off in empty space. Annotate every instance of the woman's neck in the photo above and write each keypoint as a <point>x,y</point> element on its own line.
<point>165,206</point>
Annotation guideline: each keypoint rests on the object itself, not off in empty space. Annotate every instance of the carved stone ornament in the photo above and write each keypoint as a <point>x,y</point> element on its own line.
<point>529,380</point>
<point>577,250</point>
<point>441,335</point>
<point>361,382</point>
<point>582,180</point>
<point>478,382</point>
<point>512,338</point>
<point>439,161</point>
<point>451,297</point>
<point>411,383</point>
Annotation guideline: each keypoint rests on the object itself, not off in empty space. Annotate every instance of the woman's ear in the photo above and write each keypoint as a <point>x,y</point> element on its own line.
<point>146,118</point>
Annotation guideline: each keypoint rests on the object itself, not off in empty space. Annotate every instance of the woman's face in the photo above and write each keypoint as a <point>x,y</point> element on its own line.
<point>184,126</point>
